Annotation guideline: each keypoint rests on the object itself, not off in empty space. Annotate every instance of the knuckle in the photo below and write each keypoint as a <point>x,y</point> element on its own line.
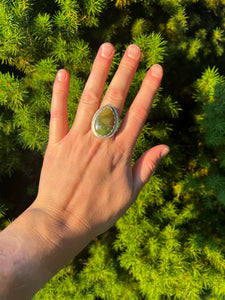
<point>58,114</point>
<point>152,84</point>
<point>152,166</point>
<point>89,97</point>
<point>114,95</point>
<point>140,112</point>
<point>59,90</point>
<point>127,65</point>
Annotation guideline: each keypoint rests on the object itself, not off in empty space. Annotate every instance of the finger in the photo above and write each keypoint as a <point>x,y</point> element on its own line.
<point>91,96</point>
<point>58,120</point>
<point>119,86</point>
<point>146,165</point>
<point>139,110</point>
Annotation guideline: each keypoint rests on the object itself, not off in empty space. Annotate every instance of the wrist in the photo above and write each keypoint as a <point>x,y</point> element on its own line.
<point>58,242</point>
<point>22,271</point>
<point>35,247</point>
<point>63,231</point>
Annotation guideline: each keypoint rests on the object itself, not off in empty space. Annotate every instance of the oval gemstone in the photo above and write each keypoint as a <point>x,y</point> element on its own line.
<point>105,122</point>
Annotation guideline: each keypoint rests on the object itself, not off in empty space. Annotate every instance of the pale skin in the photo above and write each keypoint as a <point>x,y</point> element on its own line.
<point>86,183</point>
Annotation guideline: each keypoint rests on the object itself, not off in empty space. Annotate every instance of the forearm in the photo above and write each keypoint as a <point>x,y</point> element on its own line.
<point>86,183</point>
<point>32,249</point>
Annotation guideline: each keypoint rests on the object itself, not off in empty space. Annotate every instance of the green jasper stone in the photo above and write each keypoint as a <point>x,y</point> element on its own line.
<point>105,122</point>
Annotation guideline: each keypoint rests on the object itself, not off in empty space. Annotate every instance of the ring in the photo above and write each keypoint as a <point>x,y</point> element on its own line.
<point>105,122</point>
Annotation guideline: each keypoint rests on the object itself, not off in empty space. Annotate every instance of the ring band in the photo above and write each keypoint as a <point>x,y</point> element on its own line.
<point>105,122</point>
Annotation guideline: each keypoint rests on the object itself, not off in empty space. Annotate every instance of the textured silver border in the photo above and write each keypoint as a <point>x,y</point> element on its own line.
<point>116,123</point>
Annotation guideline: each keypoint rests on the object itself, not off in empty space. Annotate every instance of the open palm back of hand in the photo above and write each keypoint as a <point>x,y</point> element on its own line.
<point>86,182</point>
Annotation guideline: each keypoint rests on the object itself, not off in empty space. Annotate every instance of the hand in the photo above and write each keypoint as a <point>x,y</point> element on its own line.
<point>86,182</point>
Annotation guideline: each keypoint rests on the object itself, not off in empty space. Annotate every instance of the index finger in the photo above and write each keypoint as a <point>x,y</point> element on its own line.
<point>137,114</point>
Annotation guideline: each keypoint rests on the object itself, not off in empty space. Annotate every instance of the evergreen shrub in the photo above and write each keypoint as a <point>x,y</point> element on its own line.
<point>171,243</point>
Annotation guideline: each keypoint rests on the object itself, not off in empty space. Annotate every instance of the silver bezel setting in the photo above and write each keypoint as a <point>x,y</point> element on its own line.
<point>115,126</point>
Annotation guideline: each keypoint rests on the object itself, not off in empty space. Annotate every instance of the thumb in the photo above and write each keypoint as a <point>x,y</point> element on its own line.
<point>146,165</point>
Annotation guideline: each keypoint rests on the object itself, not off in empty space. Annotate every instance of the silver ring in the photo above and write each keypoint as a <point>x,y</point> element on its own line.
<point>105,122</point>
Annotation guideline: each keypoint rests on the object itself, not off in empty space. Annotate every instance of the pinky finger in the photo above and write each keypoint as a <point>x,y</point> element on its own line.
<point>58,121</point>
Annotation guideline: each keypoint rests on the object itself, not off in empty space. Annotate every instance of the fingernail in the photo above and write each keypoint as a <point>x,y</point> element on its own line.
<point>156,71</point>
<point>165,152</point>
<point>107,50</point>
<point>61,75</point>
<point>133,51</point>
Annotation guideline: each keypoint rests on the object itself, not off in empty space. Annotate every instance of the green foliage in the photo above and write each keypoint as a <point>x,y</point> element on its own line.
<point>3,221</point>
<point>152,47</point>
<point>210,94</point>
<point>170,244</point>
